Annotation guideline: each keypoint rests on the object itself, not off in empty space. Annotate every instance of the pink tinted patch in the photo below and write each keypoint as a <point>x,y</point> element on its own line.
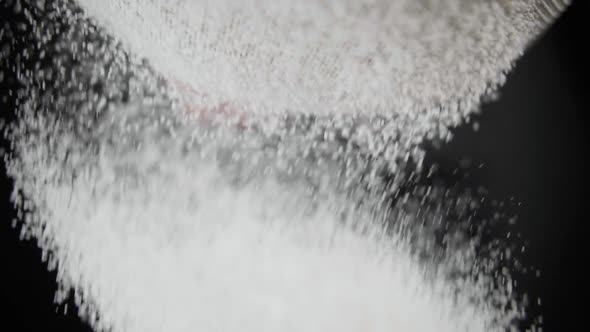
<point>189,97</point>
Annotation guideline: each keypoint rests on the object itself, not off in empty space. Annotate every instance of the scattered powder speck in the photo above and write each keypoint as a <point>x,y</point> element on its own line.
<point>257,165</point>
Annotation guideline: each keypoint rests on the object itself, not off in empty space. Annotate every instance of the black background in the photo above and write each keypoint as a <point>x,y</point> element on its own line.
<point>532,144</point>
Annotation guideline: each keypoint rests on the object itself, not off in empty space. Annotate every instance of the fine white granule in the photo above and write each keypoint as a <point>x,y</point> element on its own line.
<point>156,239</point>
<point>425,62</point>
<point>285,213</point>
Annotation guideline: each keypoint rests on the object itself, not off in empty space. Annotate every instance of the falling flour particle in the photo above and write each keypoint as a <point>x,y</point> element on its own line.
<point>252,165</point>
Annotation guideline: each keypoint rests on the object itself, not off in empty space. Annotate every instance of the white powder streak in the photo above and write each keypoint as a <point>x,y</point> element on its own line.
<point>180,250</point>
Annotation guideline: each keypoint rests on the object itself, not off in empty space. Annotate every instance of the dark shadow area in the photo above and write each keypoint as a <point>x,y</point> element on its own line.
<point>531,146</point>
